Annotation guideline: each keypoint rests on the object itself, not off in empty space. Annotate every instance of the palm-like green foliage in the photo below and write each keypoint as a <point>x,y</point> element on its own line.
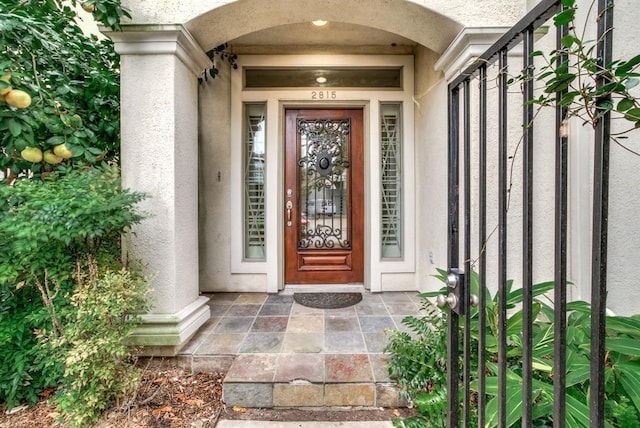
<point>622,365</point>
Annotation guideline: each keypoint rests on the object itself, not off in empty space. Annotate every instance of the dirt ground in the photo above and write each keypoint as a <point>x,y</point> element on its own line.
<point>173,397</point>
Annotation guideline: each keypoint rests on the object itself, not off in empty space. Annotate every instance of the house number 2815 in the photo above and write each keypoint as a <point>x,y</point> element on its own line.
<point>323,95</point>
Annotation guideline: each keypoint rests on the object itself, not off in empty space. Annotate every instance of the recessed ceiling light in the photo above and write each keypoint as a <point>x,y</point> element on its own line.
<point>321,79</point>
<point>319,22</point>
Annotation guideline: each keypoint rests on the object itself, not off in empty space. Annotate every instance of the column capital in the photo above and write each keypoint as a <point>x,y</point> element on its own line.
<point>160,39</point>
<point>469,44</point>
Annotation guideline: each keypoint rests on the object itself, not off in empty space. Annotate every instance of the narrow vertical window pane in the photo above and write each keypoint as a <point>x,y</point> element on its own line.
<point>254,201</point>
<point>391,179</point>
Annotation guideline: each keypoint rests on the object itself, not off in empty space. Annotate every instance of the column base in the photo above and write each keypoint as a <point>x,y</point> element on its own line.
<point>164,335</point>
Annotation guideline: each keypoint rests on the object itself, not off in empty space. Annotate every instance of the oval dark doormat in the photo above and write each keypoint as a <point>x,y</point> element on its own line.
<point>327,300</point>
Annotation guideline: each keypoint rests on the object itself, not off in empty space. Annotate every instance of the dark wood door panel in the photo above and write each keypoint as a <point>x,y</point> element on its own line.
<point>324,196</point>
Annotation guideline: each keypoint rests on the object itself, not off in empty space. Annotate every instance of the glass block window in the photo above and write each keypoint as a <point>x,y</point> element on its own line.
<point>254,174</point>
<point>391,179</point>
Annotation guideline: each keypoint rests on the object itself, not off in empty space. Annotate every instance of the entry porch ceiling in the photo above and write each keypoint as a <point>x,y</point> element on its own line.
<point>334,37</point>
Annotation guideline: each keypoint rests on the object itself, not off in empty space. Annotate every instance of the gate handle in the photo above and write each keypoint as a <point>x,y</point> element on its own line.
<point>289,207</point>
<point>451,300</point>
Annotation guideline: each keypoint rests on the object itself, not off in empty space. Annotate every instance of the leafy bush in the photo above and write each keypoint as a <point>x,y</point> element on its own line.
<point>98,365</point>
<point>25,369</point>
<point>622,367</point>
<point>54,234</point>
<point>419,365</point>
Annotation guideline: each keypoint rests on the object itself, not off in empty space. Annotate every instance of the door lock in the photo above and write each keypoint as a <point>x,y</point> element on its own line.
<point>289,207</point>
<point>457,297</point>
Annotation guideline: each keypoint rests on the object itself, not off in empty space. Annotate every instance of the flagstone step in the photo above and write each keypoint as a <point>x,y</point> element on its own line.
<point>309,380</point>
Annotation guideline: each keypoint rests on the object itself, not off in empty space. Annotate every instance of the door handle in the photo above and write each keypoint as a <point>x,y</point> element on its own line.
<point>289,207</point>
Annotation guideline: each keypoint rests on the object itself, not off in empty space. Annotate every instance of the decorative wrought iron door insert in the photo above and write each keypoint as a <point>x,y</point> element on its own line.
<point>323,166</point>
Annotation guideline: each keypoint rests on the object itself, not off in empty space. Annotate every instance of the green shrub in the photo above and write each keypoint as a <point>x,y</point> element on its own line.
<point>53,234</point>
<point>99,366</point>
<point>25,369</point>
<point>418,364</point>
<point>414,362</point>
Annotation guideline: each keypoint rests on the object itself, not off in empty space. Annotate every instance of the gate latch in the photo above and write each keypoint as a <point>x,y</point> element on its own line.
<point>457,294</point>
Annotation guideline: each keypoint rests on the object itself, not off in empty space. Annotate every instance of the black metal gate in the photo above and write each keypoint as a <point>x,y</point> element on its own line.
<point>465,159</point>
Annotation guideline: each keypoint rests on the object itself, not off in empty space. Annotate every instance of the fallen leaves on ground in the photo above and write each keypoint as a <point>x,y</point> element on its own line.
<point>166,397</point>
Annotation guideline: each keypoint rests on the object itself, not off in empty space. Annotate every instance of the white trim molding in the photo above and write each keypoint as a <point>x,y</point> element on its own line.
<point>160,40</point>
<point>165,334</point>
<point>468,45</point>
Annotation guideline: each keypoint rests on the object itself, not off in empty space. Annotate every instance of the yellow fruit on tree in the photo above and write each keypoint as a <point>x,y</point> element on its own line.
<point>62,151</point>
<point>18,98</point>
<point>88,7</point>
<point>50,157</point>
<point>5,90</point>
<point>32,154</point>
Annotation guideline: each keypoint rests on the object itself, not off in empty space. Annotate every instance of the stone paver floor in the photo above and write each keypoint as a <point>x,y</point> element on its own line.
<point>264,338</point>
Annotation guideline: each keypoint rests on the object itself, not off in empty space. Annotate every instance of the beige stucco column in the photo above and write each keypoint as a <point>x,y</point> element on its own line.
<point>159,149</point>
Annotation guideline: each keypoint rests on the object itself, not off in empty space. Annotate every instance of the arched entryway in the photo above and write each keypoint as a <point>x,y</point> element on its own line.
<point>162,122</point>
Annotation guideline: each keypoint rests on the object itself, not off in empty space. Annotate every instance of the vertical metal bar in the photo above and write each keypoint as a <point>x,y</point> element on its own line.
<point>560,279</point>
<point>482,251</point>
<point>502,239</point>
<point>527,232</point>
<point>600,218</point>
<point>467,251</point>
<point>453,371</point>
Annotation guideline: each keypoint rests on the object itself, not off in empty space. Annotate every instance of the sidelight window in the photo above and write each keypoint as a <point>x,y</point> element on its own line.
<point>254,185</point>
<point>391,180</point>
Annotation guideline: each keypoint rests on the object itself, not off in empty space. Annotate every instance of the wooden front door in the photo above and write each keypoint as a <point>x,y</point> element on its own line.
<point>324,196</point>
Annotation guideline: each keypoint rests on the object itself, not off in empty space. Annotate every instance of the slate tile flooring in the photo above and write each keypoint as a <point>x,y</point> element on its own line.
<point>269,344</point>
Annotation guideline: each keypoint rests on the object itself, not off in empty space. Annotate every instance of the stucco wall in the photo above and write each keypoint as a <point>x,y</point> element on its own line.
<point>167,232</point>
<point>624,224</point>
<point>431,168</point>
<point>215,195</point>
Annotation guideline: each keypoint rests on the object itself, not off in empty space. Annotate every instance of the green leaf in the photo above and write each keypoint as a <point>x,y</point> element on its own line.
<point>579,372</point>
<point>633,114</point>
<point>568,40</point>
<point>625,104</point>
<point>14,127</point>
<point>627,66</point>
<point>567,99</point>
<point>564,17</point>
<point>515,296</point>
<point>560,83</point>
<point>513,407</point>
<point>55,140</point>
<point>577,411</point>
<point>626,325</point>
<point>568,3</point>
<point>623,345</point>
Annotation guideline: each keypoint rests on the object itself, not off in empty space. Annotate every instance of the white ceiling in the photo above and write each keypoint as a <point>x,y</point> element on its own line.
<point>334,34</point>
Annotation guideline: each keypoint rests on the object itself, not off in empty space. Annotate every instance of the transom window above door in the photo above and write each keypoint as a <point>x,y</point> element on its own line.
<point>330,77</point>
